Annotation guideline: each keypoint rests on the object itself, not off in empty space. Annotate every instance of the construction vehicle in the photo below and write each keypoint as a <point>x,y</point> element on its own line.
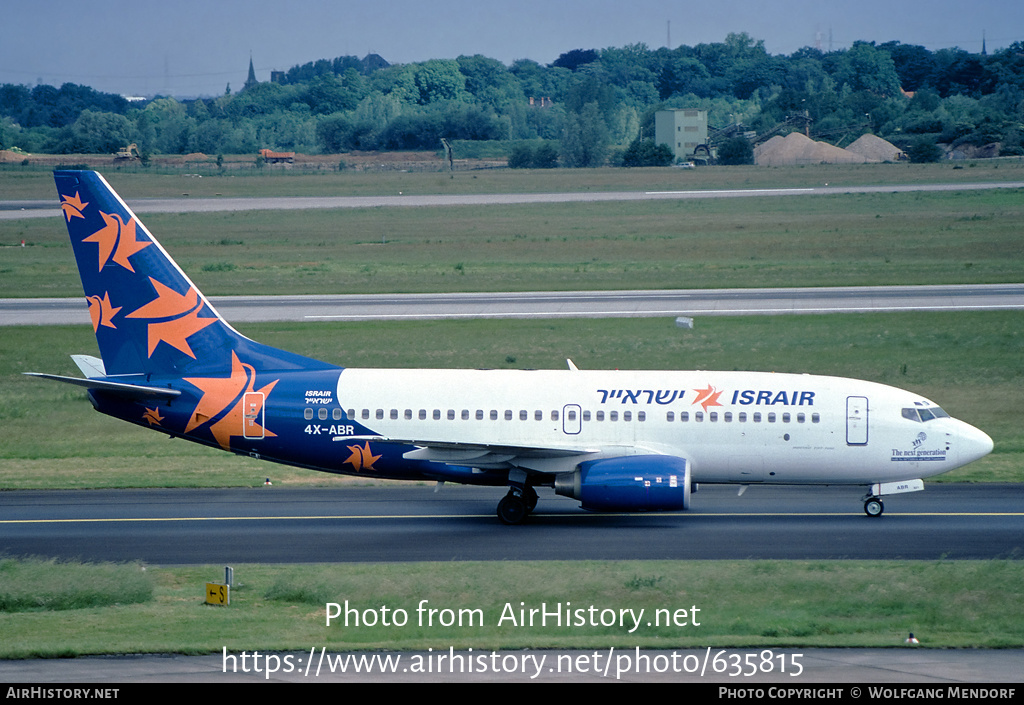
<point>127,153</point>
<point>271,157</point>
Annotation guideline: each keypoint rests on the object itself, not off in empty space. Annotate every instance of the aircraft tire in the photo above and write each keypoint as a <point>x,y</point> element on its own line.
<point>873,507</point>
<point>512,509</point>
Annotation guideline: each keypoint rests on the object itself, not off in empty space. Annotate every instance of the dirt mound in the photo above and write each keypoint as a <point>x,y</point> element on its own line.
<point>875,149</point>
<point>795,148</point>
<point>7,156</point>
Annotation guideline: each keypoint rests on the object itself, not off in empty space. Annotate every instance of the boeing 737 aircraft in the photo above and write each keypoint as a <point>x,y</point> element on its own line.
<point>614,440</point>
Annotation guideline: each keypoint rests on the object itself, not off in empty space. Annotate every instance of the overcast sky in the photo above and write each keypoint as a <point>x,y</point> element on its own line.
<point>187,48</point>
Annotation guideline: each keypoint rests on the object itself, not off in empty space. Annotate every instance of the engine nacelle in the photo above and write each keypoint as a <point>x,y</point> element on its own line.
<point>629,483</point>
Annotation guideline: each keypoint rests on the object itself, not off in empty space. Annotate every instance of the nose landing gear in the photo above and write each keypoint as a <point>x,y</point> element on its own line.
<point>873,507</point>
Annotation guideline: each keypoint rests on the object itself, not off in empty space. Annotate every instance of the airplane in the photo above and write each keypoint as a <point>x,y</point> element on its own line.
<point>617,441</point>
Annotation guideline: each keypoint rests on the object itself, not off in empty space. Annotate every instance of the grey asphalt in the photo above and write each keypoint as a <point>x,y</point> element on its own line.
<point>568,304</point>
<point>413,522</point>
<point>13,210</point>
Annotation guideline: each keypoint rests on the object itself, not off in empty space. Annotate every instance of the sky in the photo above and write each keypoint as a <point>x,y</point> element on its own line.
<point>190,48</point>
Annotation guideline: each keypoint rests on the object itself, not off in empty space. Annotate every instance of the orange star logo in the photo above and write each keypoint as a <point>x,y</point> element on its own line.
<point>179,314</point>
<point>116,240</point>
<point>223,393</point>
<point>152,417</point>
<point>72,206</point>
<point>362,457</point>
<point>101,311</point>
<point>707,397</point>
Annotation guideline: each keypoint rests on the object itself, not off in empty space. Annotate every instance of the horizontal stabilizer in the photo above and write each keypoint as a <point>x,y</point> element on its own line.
<point>134,391</point>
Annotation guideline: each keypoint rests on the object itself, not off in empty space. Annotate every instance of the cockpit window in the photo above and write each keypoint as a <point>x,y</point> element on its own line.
<point>922,415</point>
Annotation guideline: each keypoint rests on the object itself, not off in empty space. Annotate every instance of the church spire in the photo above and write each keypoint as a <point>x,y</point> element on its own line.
<point>251,81</point>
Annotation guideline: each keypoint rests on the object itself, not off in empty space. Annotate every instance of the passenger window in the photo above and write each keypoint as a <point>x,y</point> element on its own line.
<point>757,417</point>
<point>408,414</point>
<point>815,418</point>
<point>308,414</point>
<point>437,414</point>
<point>641,416</point>
<point>586,416</point>
<point>451,414</point>
<point>699,416</point>
<point>742,418</point>
<point>508,414</point>
<point>465,414</point>
<point>538,415</point>
<point>670,416</point>
<point>494,414</point>
<point>727,417</point>
<point>684,415</point>
<point>600,416</point>
<point>336,414</point>
<point>423,414</point>
<point>613,416</point>
<point>627,415</point>
<point>394,413</point>
<point>713,416</point>
<point>479,414</point>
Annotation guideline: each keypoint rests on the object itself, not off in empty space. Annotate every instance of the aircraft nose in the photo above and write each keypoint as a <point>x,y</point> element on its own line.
<point>974,444</point>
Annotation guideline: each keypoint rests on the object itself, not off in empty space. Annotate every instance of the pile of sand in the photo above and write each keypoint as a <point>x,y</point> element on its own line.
<point>875,149</point>
<point>8,156</point>
<point>795,148</point>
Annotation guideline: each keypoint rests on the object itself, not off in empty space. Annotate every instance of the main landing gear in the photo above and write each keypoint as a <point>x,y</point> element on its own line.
<point>520,501</point>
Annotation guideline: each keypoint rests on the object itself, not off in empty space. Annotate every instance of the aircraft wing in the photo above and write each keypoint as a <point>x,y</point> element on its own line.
<point>486,456</point>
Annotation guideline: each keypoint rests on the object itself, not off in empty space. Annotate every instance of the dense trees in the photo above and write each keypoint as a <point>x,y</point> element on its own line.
<point>590,103</point>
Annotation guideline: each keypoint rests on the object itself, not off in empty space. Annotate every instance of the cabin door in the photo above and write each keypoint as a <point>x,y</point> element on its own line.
<point>252,415</point>
<point>856,421</point>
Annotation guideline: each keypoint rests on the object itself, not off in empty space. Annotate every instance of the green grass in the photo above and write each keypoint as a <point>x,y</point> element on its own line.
<point>31,585</point>
<point>17,182</point>
<point>968,362</point>
<point>856,239</point>
<point>741,603</point>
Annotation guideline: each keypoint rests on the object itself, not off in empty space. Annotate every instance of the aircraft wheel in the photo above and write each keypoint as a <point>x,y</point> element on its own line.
<point>512,509</point>
<point>873,507</point>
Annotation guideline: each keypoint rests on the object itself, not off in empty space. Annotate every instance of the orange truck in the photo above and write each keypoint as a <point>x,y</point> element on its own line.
<point>277,157</point>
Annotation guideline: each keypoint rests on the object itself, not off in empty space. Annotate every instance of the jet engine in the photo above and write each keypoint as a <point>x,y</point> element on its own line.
<point>629,483</point>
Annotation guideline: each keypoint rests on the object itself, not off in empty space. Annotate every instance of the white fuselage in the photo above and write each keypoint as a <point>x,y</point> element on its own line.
<point>732,426</point>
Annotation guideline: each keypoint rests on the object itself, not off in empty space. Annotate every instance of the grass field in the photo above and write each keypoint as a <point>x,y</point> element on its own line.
<point>865,239</point>
<point>37,183</point>
<point>947,604</point>
<point>968,362</point>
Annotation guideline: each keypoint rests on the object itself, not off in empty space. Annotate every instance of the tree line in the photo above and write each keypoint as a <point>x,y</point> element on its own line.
<point>589,106</point>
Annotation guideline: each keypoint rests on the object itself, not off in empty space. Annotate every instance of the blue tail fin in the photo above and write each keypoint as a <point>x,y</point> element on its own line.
<point>149,318</point>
